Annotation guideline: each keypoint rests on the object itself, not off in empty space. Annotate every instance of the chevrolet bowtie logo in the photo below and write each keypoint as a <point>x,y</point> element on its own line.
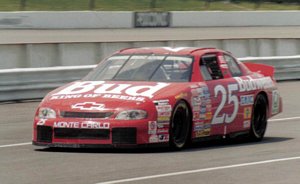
<point>88,106</point>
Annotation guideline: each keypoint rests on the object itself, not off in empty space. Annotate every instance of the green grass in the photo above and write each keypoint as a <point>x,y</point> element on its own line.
<point>139,5</point>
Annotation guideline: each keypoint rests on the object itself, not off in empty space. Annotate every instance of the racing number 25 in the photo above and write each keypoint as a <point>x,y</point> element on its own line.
<point>218,117</point>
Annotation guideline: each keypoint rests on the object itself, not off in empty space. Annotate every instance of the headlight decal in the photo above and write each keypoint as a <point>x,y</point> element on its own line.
<point>46,113</point>
<point>132,115</point>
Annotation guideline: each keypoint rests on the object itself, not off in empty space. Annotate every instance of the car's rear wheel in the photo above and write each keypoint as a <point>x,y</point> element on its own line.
<point>180,126</point>
<point>259,118</point>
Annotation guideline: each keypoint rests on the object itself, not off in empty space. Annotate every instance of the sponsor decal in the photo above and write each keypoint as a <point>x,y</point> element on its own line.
<point>101,87</point>
<point>208,116</point>
<point>64,97</point>
<point>246,124</point>
<point>196,100</point>
<point>62,124</point>
<point>246,100</point>
<point>164,110</point>
<point>203,109</point>
<point>203,133</point>
<point>158,131</point>
<point>166,114</point>
<point>153,139</point>
<point>203,117</point>
<point>83,125</point>
<point>162,130</point>
<point>94,125</point>
<point>162,124</point>
<point>251,84</point>
<point>197,91</point>
<point>196,109</point>
<point>198,128</point>
<point>181,95</point>
<point>202,129</point>
<point>247,112</point>
<point>275,102</point>
<point>193,86</point>
<point>205,94</point>
<point>196,116</point>
<point>161,102</point>
<point>124,97</point>
<point>88,106</point>
<point>163,137</point>
<point>208,104</point>
<point>152,127</point>
<point>107,96</point>
<point>163,118</point>
<point>201,102</point>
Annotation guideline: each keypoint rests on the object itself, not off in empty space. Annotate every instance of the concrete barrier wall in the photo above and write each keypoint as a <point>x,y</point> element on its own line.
<point>65,20</point>
<point>236,18</point>
<point>93,19</point>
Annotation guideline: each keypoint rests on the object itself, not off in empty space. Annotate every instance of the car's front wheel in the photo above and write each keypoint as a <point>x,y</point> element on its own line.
<point>259,118</point>
<point>180,126</point>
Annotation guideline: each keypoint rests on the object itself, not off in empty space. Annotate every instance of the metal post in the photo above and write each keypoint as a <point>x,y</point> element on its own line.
<point>207,3</point>
<point>257,4</point>
<point>23,5</point>
<point>153,4</point>
<point>92,4</point>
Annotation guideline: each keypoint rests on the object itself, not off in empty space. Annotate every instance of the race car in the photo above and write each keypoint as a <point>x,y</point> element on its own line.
<point>160,96</point>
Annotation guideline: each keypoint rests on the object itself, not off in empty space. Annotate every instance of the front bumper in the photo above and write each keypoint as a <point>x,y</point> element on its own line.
<point>94,146</point>
<point>119,134</point>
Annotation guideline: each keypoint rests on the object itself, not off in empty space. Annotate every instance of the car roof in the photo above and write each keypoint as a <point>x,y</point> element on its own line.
<point>168,50</point>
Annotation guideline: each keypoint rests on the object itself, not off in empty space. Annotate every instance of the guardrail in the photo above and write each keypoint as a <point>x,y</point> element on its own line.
<point>286,67</point>
<point>35,83</point>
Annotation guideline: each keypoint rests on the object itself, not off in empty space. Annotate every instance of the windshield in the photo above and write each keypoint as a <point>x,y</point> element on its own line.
<point>143,68</point>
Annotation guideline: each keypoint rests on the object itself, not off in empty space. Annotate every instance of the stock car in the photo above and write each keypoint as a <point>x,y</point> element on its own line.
<point>160,97</point>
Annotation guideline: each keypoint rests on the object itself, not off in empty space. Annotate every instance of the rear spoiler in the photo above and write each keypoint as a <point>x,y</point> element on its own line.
<point>266,70</point>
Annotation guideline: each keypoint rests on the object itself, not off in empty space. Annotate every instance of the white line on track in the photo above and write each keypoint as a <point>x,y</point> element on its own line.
<point>284,119</point>
<point>199,170</point>
<point>14,145</point>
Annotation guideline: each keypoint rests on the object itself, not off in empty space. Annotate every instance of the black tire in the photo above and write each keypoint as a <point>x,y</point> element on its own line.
<point>180,126</point>
<point>259,118</point>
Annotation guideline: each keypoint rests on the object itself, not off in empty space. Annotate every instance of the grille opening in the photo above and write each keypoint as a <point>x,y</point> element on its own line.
<point>44,134</point>
<point>68,114</point>
<point>74,133</point>
<point>124,135</point>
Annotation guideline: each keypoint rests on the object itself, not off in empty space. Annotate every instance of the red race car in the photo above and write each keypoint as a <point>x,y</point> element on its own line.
<point>159,96</point>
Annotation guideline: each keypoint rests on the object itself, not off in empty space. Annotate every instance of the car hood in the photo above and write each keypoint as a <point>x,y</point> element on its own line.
<point>99,95</point>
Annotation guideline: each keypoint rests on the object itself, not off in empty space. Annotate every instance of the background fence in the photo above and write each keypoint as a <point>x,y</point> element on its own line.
<point>146,4</point>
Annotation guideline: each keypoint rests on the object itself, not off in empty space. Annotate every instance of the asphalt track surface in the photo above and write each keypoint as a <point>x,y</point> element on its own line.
<point>275,160</point>
<point>23,36</point>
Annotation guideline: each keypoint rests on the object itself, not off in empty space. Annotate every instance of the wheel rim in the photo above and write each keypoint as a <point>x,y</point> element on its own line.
<point>260,117</point>
<point>180,125</point>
